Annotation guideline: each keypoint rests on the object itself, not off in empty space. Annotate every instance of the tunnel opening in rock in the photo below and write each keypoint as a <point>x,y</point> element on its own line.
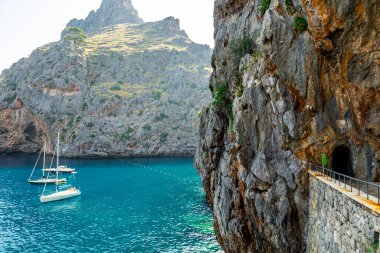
<point>342,161</point>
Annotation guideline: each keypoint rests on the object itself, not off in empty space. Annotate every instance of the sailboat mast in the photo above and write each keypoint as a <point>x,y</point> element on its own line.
<point>58,151</point>
<point>56,183</point>
<point>43,164</point>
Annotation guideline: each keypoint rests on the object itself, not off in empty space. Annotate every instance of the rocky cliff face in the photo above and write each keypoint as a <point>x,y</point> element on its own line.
<point>113,85</point>
<point>291,80</point>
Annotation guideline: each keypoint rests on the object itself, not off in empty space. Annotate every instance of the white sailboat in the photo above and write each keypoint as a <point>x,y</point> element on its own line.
<point>45,178</point>
<point>60,193</point>
<point>60,168</point>
<point>70,192</point>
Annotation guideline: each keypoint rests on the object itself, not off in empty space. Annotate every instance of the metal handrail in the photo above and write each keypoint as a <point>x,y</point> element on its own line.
<point>338,177</point>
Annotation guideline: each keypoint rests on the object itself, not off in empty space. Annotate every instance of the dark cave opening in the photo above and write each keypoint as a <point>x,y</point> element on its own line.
<point>342,161</point>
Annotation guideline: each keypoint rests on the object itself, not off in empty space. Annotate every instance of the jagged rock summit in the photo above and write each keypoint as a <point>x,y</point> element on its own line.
<point>111,12</point>
<point>112,86</point>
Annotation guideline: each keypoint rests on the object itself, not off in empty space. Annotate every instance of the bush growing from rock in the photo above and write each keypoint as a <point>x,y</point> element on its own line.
<point>219,94</point>
<point>264,5</point>
<point>300,24</point>
<point>115,87</point>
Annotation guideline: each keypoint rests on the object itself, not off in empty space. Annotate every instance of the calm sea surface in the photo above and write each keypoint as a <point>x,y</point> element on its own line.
<point>123,208</point>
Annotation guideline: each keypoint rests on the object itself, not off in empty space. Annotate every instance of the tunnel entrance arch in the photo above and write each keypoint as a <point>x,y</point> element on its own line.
<point>342,161</point>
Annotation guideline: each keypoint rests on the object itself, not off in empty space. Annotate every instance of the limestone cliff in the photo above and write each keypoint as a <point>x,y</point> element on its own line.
<point>291,80</point>
<point>113,85</point>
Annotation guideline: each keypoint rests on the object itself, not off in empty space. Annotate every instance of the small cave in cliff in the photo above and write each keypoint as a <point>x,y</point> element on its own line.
<point>30,131</point>
<point>342,161</point>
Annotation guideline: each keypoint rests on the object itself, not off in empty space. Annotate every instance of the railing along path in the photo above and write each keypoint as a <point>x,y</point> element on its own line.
<point>368,189</point>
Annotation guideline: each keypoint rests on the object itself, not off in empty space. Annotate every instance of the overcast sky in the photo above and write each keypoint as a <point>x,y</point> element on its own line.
<point>28,24</point>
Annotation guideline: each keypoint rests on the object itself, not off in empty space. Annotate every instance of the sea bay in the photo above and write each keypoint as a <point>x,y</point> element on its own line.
<point>126,205</point>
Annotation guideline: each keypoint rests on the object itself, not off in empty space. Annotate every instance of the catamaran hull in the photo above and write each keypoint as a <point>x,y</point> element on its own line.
<point>59,196</point>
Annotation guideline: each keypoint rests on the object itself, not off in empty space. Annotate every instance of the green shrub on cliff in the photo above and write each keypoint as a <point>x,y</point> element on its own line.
<point>300,24</point>
<point>163,137</point>
<point>115,88</point>
<point>230,117</point>
<point>84,106</point>
<point>10,98</point>
<point>126,136</point>
<point>75,34</point>
<point>221,100</point>
<point>239,90</point>
<point>219,94</point>
<point>90,124</point>
<point>147,127</point>
<point>264,5</point>
<point>130,130</point>
<point>290,7</point>
<point>75,29</point>
<point>373,247</point>
<point>241,47</point>
<point>73,136</point>
<point>156,95</point>
<point>160,117</point>
<point>246,45</point>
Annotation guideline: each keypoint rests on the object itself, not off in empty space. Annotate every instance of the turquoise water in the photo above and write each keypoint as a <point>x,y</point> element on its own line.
<point>123,208</point>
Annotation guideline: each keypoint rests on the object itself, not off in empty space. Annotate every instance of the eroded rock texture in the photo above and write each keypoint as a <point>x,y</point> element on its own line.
<point>20,130</point>
<point>289,83</point>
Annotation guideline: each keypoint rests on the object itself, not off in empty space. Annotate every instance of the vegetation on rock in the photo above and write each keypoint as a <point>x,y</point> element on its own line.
<point>75,34</point>
<point>219,94</point>
<point>264,5</point>
<point>300,24</point>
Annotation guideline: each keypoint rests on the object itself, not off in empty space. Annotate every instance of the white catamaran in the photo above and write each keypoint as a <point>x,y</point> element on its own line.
<point>45,177</point>
<point>60,168</point>
<point>61,192</point>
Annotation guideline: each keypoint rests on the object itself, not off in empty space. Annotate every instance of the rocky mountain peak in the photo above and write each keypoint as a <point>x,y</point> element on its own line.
<point>118,11</point>
<point>111,12</point>
<point>171,23</point>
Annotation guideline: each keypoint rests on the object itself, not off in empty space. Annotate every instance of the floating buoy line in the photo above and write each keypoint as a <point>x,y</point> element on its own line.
<point>160,171</point>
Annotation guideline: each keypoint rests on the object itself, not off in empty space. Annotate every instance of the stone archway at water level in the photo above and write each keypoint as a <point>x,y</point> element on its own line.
<point>342,161</point>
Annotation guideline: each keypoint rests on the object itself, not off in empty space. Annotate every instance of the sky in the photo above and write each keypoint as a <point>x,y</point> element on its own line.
<point>26,25</point>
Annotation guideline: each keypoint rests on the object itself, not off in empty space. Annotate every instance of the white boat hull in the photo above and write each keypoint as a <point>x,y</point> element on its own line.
<point>60,170</point>
<point>47,181</point>
<point>60,195</point>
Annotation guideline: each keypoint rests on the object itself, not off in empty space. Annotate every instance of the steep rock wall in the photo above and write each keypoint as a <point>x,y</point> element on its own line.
<point>290,82</point>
